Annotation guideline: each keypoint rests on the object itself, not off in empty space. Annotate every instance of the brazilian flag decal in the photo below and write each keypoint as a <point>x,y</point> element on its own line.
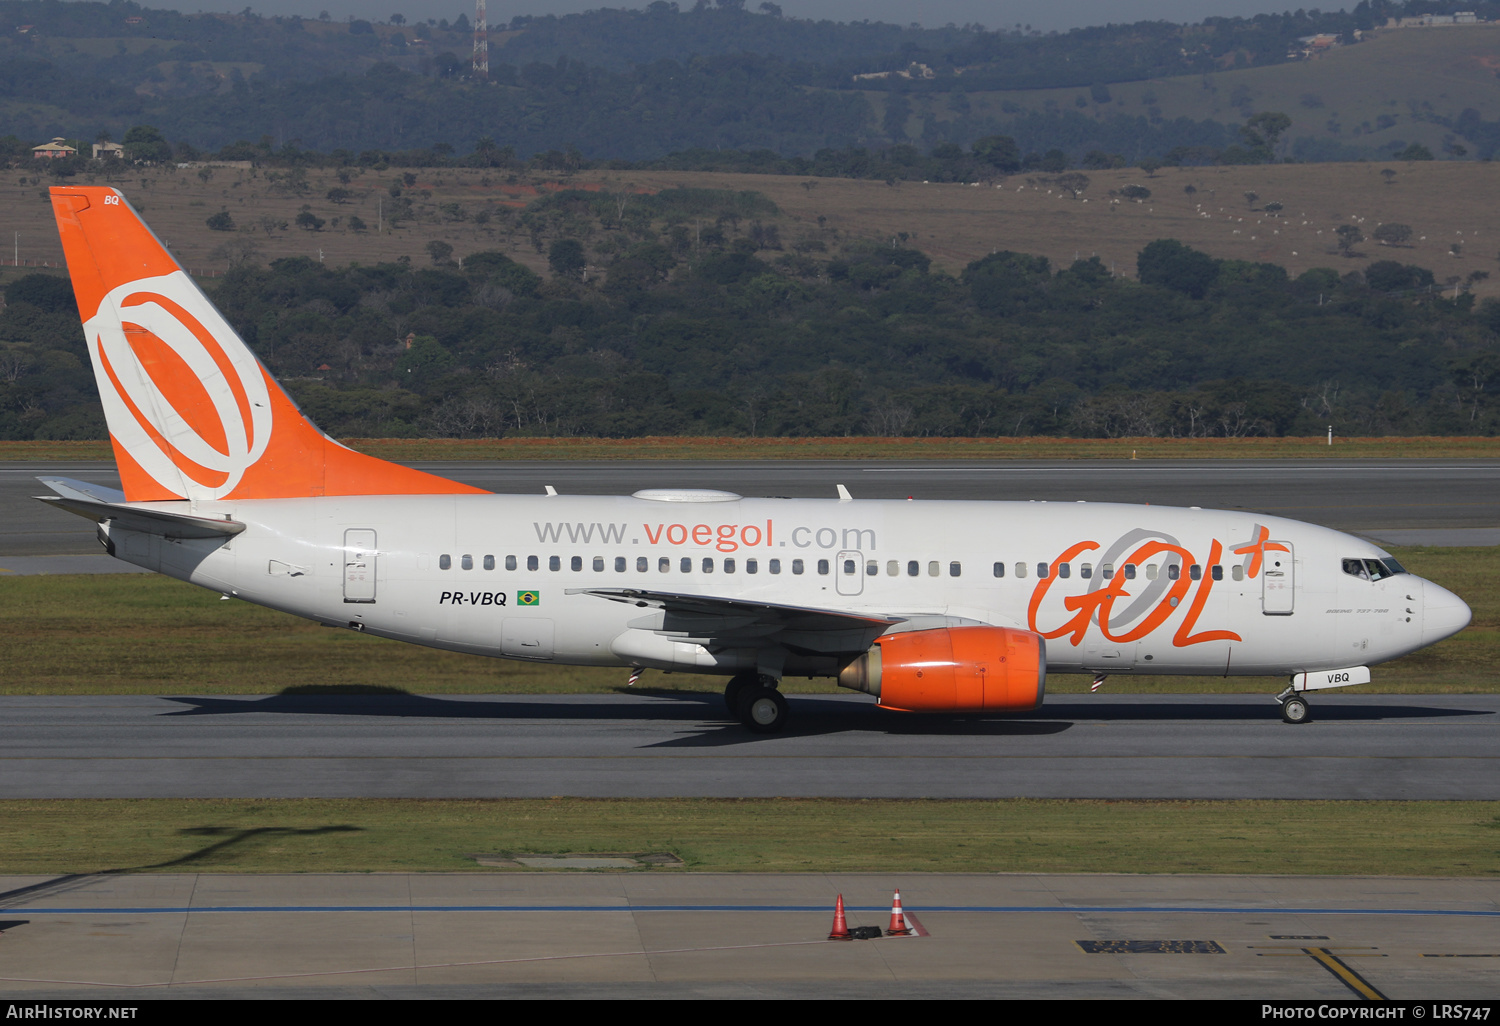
<point>528,598</point>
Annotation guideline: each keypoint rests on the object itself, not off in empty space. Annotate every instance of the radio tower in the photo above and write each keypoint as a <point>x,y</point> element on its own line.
<point>481,44</point>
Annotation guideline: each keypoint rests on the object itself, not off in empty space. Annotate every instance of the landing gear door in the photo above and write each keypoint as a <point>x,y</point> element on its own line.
<point>1278,579</point>
<point>849,573</point>
<point>359,565</point>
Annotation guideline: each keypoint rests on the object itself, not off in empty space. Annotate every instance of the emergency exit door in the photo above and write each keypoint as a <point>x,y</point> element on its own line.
<point>359,565</point>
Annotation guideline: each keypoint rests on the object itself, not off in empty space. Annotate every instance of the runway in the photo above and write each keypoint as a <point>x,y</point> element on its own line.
<point>1458,497</point>
<point>1076,746</point>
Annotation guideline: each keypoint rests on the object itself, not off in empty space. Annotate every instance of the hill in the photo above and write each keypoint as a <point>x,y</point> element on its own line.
<point>1442,201</point>
<point>1398,87</point>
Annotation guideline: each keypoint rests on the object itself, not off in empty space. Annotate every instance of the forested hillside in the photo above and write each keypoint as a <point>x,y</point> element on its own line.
<point>642,85</point>
<point>719,332</point>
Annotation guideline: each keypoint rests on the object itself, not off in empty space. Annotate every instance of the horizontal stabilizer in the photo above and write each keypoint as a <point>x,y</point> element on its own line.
<point>94,502</point>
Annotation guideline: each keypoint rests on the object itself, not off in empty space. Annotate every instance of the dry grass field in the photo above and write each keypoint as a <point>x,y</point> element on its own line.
<point>1366,96</point>
<point>1445,202</point>
<point>710,448</point>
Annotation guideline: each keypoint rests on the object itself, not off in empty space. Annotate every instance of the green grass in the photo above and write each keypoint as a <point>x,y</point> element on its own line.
<point>146,634</point>
<point>756,835</point>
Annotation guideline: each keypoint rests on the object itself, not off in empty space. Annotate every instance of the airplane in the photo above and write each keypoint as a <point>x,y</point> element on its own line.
<point>927,606</point>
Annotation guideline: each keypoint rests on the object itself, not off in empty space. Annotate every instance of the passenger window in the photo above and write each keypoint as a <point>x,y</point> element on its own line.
<point>708,565</point>
<point>775,566</point>
<point>577,564</point>
<point>1086,571</point>
<point>598,565</point>
<point>848,567</point>
<point>729,566</point>
<point>532,563</point>
<point>1195,572</point>
<point>466,561</point>
<point>892,568</point>
<point>445,562</point>
<point>1237,572</point>
<point>554,562</point>
<point>1174,571</point>
<point>687,564</point>
<point>1108,570</point>
<point>823,566</point>
<point>752,566</point>
<point>620,565</point>
<point>1041,570</point>
<point>797,566</point>
<point>999,569</point>
<point>932,569</point>
<point>1020,569</point>
<point>1217,572</point>
<point>955,569</point>
<point>913,568</point>
<point>510,563</point>
<point>1064,570</point>
<point>664,565</point>
<point>642,564</point>
<point>1152,571</point>
<point>872,569</point>
<point>489,562</point>
<point>1130,571</point>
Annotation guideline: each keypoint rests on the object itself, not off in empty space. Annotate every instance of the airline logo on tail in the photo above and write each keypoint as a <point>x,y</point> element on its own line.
<point>191,412</point>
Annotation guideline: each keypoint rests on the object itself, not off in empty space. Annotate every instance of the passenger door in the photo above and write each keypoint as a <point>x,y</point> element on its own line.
<point>359,565</point>
<point>849,573</point>
<point>1278,580</point>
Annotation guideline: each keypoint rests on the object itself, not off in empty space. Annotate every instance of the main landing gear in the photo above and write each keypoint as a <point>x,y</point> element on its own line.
<point>1294,708</point>
<point>753,700</point>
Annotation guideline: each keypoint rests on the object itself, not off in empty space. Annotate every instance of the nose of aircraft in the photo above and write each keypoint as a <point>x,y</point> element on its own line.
<point>1443,613</point>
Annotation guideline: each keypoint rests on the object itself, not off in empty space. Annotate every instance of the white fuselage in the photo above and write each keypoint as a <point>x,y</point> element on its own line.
<point>503,575</point>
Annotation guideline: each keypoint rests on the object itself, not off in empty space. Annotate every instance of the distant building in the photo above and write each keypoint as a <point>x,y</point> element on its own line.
<point>135,19</point>
<point>913,71</point>
<point>53,150</point>
<point>108,149</point>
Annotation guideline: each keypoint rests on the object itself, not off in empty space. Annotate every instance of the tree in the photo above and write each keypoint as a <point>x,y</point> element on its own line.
<point>1273,208</point>
<point>1349,236</point>
<point>999,152</point>
<point>1170,264</point>
<point>1150,165</point>
<point>145,142</point>
<point>1075,182</point>
<point>1392,234</point>
<point>1250,198</point>
<point>566,257</point>
<point>220,222</point>
<point>308,221</point>
<point>1416,151</point>
<point>440,251</point>
<point>1136,192</point>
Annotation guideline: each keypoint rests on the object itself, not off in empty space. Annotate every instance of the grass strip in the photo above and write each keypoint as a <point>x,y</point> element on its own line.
<point>692,448</point>
<point>1378,838</point>
<point>121,634</point>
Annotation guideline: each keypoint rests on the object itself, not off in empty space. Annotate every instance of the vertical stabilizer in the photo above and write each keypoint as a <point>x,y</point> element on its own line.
<point>192,414</point>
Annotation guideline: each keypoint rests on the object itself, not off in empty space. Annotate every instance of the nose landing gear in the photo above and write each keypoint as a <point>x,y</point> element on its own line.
<point>1294,708</point>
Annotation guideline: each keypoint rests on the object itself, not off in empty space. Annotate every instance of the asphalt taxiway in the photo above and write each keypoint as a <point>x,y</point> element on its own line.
<point>635,746</point>
<point>659,933</point>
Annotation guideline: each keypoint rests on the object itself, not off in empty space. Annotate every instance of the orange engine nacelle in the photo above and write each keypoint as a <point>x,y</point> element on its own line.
<point>953,669</point>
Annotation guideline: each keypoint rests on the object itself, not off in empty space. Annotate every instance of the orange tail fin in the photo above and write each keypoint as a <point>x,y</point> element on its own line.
<point>192,414</point>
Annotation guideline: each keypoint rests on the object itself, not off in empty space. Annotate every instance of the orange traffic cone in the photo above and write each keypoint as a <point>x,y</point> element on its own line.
<point>898,927</point>
<point>840,929</point>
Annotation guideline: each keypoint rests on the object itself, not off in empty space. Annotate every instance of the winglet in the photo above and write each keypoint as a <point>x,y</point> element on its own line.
<point>191,412</point>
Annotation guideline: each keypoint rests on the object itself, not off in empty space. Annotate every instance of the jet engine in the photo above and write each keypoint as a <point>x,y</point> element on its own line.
<point>953,669</point>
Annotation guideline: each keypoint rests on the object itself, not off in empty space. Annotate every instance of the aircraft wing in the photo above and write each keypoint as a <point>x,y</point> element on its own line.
<point>97,503</point>
<point>712,620</point>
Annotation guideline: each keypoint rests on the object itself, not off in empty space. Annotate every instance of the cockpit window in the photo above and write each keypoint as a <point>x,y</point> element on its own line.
<point>1373,569</point>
